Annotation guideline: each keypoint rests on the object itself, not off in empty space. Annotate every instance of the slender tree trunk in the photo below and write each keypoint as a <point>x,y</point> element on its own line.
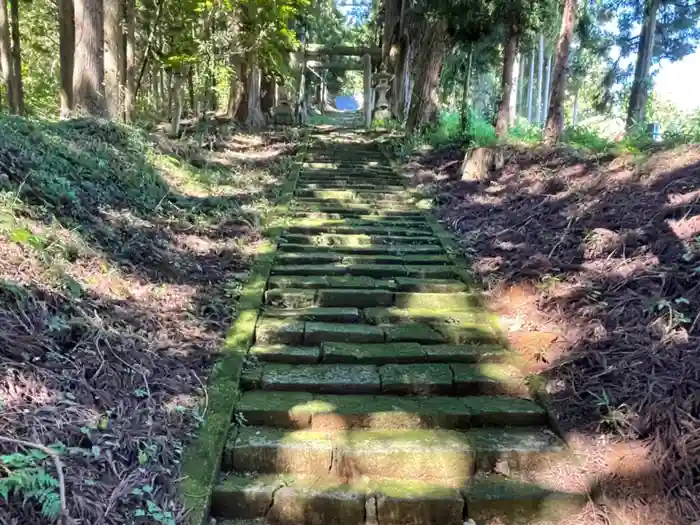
<point>112,56</point>
<point>431,54</point>
<point>66,30</point>
<point>513,97</point>
<point>254,118</point>
<point>464,122</point>
<point>530,86</point>
<point>170,92</point>
<point>6,68</point>
<point>267,101</point>
<point>522,86</point>
<point>88,71</point>
<point>574,111</point>
<point>636,112</point>
<point>190,91</point>
<point>540,80</point>
<point>391,34</point>
<point>510,54</point>
<point>130,83</point>
<point>398,87</point>
<point>555,115</point>
<point>235,90</point>
<point>548,84</point>
<point>18,89</point>
<point>179,80</point>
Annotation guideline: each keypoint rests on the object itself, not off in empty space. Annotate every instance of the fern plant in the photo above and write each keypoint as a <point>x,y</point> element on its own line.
<point>25,476</point>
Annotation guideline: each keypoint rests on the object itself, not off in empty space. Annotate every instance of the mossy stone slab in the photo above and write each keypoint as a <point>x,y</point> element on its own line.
<point>286,354</point>
<point>244,497</point>
<point>317,333</point>
<point>519,503</point>
<point>435,456</point>
<point>467,353</point>
<point>266,450</point>
<point>331,379</point>
<point>317,503</point>
<point>428,271</point>
<point>307,258</point>
<point>279,331</point>
<point>503,410</point>
<point>331,315</point>
<point>360,298</point>
<point>420,379</point>
<point>296,281</point>
<point>344,412</point>
<point>372,353</point>
<point>418,333</point>
<point>276,409</point>
<point>413,284</point>
<point>426,260</point>
<point>522,448</point>
<point>465,333</point>
<point>251,377</point>
<point>437,301</point>
<point>310,269</point>
<point>291,298</point>
<point>372,259</point>
<point>352,281</point>
<point>413,502</point>
<point>376,270</point>
<point>489,379</point>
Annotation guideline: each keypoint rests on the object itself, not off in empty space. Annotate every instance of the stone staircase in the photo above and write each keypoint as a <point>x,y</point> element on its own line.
<point>377,391</point>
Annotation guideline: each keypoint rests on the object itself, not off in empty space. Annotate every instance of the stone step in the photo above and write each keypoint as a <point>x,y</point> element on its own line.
<point>351,195</point>
<point>313,293</point>
<point>357,210</point>
<point>371,270</point>
<point>325,315</point>
<point>410,223</point>
<point>445,457</point>
<point>317,500</point>
<point>305,185</point>
<point>400,284</point>
<point>301,217</point>
<point>395,249</point>
<point>312,257</point>
<point>487,379</point>
<point>361,230</point>
<point>324,412</point>
<point>377,353</point>
<point>342,239</point>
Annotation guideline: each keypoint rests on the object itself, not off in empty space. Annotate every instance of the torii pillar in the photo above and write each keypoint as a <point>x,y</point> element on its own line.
<point>367,99</point>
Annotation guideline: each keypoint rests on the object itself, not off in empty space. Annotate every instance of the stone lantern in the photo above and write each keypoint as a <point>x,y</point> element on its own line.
<point>381,103</point>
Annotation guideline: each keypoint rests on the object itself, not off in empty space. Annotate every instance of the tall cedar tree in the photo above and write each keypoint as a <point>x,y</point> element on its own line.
<point>88,68</point>
<point>640,87</point>
<point>6,68</point>
<point>113,43</point>
<point>18,88</point>
<point>555,113</point>
<point>66,38</point>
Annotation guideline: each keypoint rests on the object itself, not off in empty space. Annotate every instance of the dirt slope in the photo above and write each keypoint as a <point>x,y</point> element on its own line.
<point>594,264</point>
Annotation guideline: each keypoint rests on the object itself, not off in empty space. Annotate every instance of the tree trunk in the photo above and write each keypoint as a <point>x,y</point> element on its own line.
<point>6,68</point>
<point>548,84</point>
<point>112,56</point>
<point>636,112</point>
<point>464,121</point>
<point>235,90</point>
<point>398,85</point>
<point>254,118</point>
<point>130,82</point>
<point>540,80</point>
<point>522,85</point>
<point>391,34</point>
<point>190,90</point>
<point>18,90</point>
<point>267,101</point>
<point>513,97</point>
<point>179,80</point>
<point>574,111</point>
<point>510,53</point>
<point>530,87</point>
<point>555,114</point>
<point>88,71</point>
<point>431,54</point>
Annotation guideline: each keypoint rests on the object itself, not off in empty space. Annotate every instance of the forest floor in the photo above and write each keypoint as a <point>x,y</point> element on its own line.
<point>122,254</point>
<point>593,264</point>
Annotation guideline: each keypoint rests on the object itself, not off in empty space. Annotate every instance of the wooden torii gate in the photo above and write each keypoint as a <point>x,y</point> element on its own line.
<point>318,57</point>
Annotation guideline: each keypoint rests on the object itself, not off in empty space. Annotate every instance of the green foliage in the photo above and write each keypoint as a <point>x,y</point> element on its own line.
<point>27,478</point>
<point>584,137</point>
<point>149,508</point>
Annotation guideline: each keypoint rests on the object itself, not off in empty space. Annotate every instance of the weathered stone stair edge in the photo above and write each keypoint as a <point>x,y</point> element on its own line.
<point>203,456</point>
<point>461,264</point>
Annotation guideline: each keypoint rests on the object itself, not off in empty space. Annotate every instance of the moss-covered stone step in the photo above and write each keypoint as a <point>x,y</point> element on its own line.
<point>302,410</point>
<point>297,500</point>
<point>314,257</point>
<point>360,230</point>
<point>386,217</point>
<point>322,314</point>
<point>371,270</point>
<point>379,249</point>
<point>356,210</point>
<point>352,195</point>
<point>343,185</point>
<point>304,298</point>
<point>446,457</point>
<point>487,379</point>
<point>343,239</point>
<point>321,224</point>
<point>434,456</point>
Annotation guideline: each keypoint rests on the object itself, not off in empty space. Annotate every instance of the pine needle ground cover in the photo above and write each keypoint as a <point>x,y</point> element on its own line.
<point>593,264</point>
<point>122,256</point>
